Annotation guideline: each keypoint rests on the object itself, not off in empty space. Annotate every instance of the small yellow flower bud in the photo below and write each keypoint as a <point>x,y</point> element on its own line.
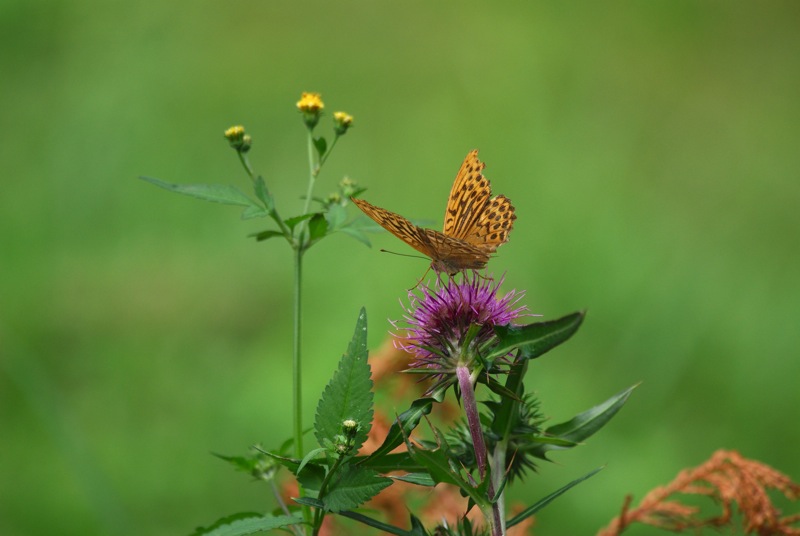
<point>311,105</point>
<point>235,136</point>
<point>341,122</point>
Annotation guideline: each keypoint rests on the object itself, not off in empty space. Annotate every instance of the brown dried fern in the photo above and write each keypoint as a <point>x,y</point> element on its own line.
<point>727,478</point>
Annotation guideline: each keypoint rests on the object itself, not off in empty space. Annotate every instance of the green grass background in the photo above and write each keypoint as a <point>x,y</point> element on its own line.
<point>651,150</point>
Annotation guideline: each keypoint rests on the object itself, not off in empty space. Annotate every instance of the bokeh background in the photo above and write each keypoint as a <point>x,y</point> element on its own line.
<point>651,150</point>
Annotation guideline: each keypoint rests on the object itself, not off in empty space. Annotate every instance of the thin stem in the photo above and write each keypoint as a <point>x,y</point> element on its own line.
<point>499,462</point>
<point>478,442</point>
<point>473,418</point>
<point>325,156</point>
<point>312,172</point>
<point>297,402</point>
<point>320,514</point>
<point>294,528</point>
<point>246,163</point>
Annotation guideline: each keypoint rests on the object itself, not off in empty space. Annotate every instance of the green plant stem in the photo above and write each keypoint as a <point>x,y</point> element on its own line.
<point>296,362</point>
<point>325,156</point>
<point>312,172</point>
<point>320,514</point>
<point>297,401</point>
<point>246,163</point>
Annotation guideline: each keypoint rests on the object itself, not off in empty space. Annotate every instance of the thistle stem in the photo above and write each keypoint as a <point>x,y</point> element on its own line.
<point>478,442</point>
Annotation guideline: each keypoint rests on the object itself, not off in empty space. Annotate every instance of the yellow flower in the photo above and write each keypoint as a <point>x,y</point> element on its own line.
<point>341,122</point>
<point>237,138</point>
<point>235,133</point>
<point>310,103</point>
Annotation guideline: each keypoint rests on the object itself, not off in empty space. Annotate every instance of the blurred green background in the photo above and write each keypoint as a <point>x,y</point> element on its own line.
<point>651,150</point>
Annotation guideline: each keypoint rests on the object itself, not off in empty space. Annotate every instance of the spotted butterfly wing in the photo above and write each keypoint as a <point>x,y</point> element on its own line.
<point>475,225</point>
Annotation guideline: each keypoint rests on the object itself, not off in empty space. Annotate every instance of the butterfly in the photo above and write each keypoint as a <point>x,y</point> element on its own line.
<point>475,224</point>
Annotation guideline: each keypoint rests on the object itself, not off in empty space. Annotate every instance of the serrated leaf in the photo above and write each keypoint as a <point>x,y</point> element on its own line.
<point>531,510</point>
<point>292,222</point>
<point>534,339</point>
<point>246,523</point>
<point>320,145</point>
<point>317,227</point>
<point>240,462</point>
<point>356,486</point>
<point>587,423</point>
<point>266,235</point>
<point>217,193</point>
<point>349,393</point>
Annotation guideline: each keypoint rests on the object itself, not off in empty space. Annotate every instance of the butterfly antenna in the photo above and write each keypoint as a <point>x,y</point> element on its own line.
<point>402,254</point>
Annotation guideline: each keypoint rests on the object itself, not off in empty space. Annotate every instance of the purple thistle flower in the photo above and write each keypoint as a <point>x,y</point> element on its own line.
<point>440,318</point>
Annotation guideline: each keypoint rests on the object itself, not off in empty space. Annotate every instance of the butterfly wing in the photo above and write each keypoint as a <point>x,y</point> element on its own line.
<point>472,215</point>
<point>447,254</point>
<point>416,237</point>
<point>468,198</point>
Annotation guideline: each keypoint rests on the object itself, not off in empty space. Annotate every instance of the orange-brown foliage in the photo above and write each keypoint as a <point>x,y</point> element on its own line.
<point>729,479</point>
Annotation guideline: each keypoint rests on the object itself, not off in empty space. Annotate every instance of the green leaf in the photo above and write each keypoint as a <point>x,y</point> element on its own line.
<point>240,462</point>
<point>356,486</point>
<point>535,339</point>
<point>320,145</point>
<point>399,461</point>
<point>405,424</point>
<point>335,216</point>
<point>522,516</point>
<point>246,523</point>
<point>391,529</point>
<point>420,479</point>
<point>317,227</point>
<point>310,456</point>
<point>507,412</point>
<point>587,423</point>
<point>349,393</point>
<point>266,235</point>
<point>262,193</point>
<point>310,477</point>
<point>358,235</point>
<point>291,223</point>
<point>438,465</point>
<point>254,211</point>
<point>218,193</point>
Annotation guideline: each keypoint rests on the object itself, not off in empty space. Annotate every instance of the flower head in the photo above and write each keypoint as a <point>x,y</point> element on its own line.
<point>311,105</point>
<point>341,122</point>
<point>237,137</point>
<point>450,322</point>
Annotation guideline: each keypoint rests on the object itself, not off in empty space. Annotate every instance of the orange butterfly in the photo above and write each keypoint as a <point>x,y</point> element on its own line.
<point>475,224</point>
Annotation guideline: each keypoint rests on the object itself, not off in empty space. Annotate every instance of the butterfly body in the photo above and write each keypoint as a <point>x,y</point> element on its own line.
<point>475,224</point>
